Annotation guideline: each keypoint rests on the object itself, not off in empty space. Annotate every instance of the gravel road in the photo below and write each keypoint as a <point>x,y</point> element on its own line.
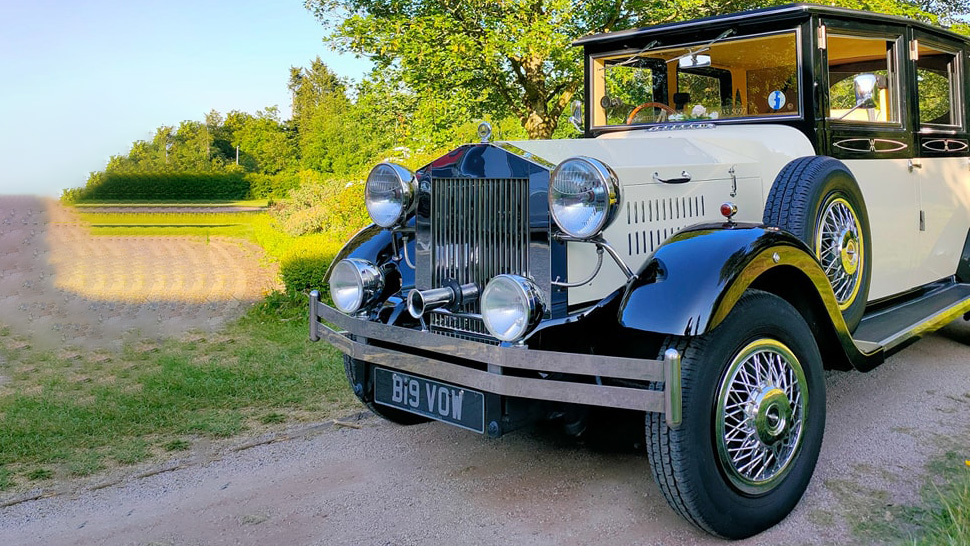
<point>434,484</point>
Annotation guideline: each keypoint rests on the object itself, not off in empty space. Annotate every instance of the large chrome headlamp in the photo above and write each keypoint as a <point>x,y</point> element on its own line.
<point>511,307</point>
<point>355,284</point>
<point>389,194</point>
<point>584,195</point>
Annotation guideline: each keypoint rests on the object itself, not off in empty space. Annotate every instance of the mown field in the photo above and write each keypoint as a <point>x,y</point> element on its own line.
<point>70,409</point>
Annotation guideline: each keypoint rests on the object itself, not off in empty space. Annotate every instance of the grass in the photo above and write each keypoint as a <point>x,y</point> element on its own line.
<point>205,224</point>
<point>79,416</point>
<point>948,522</point>
<point>174,203</point>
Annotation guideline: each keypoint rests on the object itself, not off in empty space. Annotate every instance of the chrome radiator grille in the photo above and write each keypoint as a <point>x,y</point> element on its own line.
<point>479,229</point>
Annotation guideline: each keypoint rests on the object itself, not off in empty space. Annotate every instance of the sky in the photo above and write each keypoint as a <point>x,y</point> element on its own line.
<point>80,81</point>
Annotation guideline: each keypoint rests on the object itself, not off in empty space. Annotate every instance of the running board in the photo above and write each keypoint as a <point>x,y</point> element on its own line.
<point>893,328</point>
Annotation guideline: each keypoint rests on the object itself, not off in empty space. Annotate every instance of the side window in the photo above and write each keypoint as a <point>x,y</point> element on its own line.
<point>936,82</point>
<point>863,87</point>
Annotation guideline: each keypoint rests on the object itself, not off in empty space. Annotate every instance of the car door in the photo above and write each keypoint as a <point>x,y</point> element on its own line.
<point>874,138</point>
<point>942,154</point>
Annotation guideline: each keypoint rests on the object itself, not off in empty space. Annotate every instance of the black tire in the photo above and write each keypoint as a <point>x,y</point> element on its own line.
<point>808,198</point>
<point>393,415</point>
<point>698,482</point>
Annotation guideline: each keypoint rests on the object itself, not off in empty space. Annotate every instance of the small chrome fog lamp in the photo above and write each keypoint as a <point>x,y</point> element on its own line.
<point>511,307</point>
<point>584,196</point>
<point>355,284</point>
<point>389,194</point>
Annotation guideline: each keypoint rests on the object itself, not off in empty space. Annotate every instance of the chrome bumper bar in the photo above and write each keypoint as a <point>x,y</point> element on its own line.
<point>667,401</point>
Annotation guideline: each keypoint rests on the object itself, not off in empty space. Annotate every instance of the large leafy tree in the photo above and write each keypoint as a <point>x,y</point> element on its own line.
<point>515,55</point>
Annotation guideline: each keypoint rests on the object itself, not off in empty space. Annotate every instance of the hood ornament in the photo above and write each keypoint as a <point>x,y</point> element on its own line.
<point>484,131</point>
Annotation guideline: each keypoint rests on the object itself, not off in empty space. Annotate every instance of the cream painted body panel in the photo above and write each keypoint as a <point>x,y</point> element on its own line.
<point>944,188</point>
<point>891,194</point>
<point>652,211</point>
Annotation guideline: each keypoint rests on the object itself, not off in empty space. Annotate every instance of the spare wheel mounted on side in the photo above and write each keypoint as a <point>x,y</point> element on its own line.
<point>818,200</point>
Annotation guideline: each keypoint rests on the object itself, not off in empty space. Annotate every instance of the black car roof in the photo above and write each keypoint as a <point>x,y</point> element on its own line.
<point>793,12</point>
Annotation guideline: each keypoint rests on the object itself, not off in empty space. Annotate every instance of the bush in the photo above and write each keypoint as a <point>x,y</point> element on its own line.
<point>303,260</point>
<point>165,185</point>
<point>266,186</point>
<point>319,205</point>
<point>70,196</point>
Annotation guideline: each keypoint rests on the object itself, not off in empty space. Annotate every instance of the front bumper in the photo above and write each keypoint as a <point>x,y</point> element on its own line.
<point>404,341</point>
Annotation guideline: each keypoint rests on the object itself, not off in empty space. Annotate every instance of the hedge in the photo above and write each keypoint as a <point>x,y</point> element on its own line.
<point>183,185</point>
<point>165,185</point>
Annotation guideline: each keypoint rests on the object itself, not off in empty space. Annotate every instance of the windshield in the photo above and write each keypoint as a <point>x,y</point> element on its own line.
<point>731,78</point>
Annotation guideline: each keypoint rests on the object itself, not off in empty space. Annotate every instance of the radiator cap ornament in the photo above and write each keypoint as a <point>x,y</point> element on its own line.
<point>484,131</point>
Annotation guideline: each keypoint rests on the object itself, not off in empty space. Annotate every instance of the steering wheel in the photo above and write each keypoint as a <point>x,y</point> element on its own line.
<point>662,106</point>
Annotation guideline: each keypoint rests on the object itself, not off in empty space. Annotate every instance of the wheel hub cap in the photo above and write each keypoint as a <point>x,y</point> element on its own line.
<point>761,409</point>
<point>849,251</point>
<point>840,249</point>
<point>771,412</point>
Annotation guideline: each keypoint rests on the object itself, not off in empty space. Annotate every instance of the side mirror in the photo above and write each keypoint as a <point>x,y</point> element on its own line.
<point>577,116</point>
<point>865,86</point>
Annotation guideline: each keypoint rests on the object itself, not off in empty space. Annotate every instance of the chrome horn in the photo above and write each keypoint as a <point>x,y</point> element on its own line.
<point>451,296</point>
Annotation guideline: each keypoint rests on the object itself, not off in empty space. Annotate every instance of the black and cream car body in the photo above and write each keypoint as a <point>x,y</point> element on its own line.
<point>757,197</point>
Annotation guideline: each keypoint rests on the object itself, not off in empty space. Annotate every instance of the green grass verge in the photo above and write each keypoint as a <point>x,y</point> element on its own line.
<point>130,219</point>
<point>155,224</point>
<point>75,416</point>
<point>174,203</point>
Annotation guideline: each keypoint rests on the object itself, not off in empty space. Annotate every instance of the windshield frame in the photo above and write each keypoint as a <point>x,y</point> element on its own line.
<point>595,88</point>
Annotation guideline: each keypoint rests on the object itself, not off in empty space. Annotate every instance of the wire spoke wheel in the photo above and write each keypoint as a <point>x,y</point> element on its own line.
<point>761,411</point>
<point>817,199</point>
<point>839,248</point>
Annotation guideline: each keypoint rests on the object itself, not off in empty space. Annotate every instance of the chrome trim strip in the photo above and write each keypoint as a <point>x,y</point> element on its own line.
<point>505,357</point>
<point>673,401</point>
<point>537,389</point>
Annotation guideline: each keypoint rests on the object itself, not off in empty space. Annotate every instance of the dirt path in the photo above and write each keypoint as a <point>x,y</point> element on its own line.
<point>429,484</point>
<point>434,484</point>
<point>61,287</point>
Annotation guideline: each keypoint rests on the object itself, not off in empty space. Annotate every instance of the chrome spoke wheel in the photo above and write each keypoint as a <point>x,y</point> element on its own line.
<point>761,411</point>
<point>839,247</point>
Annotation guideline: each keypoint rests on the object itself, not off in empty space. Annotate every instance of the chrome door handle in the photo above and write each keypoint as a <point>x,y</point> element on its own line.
<point>913,165</point>
<point>684,177</point>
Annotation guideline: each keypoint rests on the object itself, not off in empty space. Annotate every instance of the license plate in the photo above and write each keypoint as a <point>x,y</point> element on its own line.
<point>454,405</point>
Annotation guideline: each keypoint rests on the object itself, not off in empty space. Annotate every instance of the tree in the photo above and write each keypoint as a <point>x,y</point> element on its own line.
<point>515,55</point>
<point>266,145</point>
<point>311,86</point>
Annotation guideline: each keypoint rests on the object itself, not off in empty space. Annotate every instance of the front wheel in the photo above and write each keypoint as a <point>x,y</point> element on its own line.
<point>393,415</point>
<point>753,417</point>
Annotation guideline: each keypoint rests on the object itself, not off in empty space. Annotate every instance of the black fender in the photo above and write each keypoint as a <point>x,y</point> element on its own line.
<point>695,278</point>
<point>378,245</point>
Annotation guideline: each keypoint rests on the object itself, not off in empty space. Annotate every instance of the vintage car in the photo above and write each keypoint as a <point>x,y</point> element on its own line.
<point>756,198</point>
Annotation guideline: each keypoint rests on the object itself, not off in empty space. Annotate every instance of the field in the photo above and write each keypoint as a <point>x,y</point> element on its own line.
<point>117,348</point>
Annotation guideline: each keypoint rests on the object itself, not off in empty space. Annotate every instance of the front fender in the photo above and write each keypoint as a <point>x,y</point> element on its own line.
<point>375,244</point>
<point>692,282</point>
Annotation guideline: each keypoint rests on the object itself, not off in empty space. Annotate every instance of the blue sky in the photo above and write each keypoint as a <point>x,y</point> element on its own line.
<point>79,81</point>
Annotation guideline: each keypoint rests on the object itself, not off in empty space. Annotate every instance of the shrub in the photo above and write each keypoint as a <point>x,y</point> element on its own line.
<point>332,206</point>
<point>265,186</point>
<point>71,195</point>
<point>305,263</point>
<point>165,185</point>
